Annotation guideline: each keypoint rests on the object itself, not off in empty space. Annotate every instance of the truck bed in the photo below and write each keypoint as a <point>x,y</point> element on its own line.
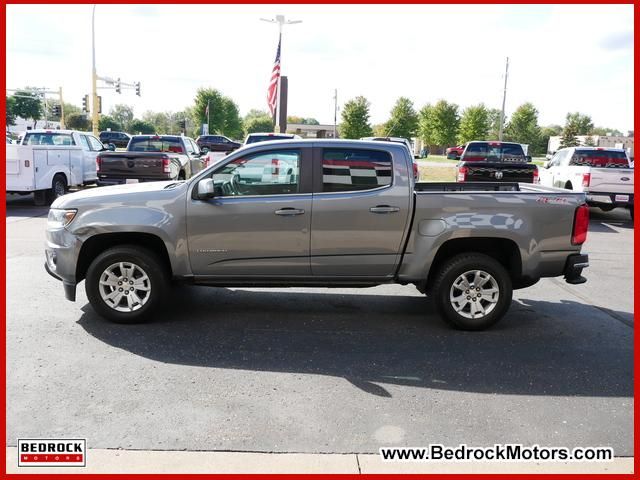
<point>467,187</point>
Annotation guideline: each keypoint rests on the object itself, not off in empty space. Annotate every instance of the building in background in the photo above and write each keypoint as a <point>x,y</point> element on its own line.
<point>310,131</point>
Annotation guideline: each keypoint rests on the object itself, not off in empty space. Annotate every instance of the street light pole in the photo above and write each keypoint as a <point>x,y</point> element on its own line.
<point>94,75</point>
<point>335,113</point>
<point>280,20</point>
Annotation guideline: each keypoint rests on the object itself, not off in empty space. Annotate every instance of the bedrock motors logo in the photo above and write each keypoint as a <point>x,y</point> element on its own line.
<point>68,452</point>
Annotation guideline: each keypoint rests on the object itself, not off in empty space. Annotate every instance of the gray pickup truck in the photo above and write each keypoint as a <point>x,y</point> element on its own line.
<point>323,213</point>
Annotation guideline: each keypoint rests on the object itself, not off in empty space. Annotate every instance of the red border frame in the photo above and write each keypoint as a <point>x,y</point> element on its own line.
<point>3,336</point>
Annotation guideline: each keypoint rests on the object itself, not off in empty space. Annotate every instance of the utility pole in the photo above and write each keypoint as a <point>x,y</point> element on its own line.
<point>280,20</point>
<point>94,75</point>
<point>335,113</point>
<point>61,108</point>
<point>504,100</point>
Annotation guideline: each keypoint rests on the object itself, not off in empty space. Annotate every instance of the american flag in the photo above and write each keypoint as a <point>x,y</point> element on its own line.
<point>272,92</point>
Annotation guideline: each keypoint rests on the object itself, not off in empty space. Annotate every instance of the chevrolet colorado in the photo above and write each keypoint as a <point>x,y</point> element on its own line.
<point>325,213</point>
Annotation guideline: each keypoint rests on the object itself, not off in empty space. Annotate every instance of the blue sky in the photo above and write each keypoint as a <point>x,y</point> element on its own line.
<point>562,57</point>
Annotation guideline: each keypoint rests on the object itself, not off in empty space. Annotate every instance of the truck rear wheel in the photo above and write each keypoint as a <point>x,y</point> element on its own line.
<point>472,291</point>
<point>126,284</point>
<point>58,187</point>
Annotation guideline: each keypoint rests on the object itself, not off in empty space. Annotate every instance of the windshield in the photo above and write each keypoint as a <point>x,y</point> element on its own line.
<point>494,152</point>
<point>156,144</point>
<point>600,158</point>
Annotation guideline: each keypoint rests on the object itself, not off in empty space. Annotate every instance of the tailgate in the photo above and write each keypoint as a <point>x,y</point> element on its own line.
<point>611,180</point>
<point>499,171</point>
<point>131,165</point>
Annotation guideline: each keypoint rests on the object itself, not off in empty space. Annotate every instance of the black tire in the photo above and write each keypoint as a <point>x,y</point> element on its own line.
<point>58,187</point>
<point>148,263</point>
<point>449,273</point>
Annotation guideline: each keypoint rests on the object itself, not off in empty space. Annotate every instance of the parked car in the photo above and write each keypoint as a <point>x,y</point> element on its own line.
<point>333,213</point>
<point>265,137</point>
<point>48,162</point>
<point>403,141</point>
<point>604,174</point>
<point>454,153</point>
<point>151,158</point>
<point>496,162</point>
<point>119,139</point>
<point>216,143</point>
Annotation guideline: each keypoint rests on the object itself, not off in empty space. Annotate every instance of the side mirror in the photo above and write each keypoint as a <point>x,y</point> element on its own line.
<point>111,147</point>
<point>548,156</point>
<point>545,164</point>
<point>528,157</point>
<point>204,150</point>
<point>206,188</point>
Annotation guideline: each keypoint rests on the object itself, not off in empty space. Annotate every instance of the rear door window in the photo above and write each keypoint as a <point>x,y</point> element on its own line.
<point>600,159</point>
<point>351,169</point>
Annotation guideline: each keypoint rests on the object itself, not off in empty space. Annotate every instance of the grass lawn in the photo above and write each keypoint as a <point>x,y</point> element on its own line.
<point>437,174</point>
<point>438,159</point>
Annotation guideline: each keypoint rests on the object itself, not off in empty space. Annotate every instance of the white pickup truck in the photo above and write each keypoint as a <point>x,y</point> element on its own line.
<point>48,162</point>
<point>604,174</point>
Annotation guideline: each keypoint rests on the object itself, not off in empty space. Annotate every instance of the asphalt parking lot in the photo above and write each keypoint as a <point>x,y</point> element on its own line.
<point>322,370</point>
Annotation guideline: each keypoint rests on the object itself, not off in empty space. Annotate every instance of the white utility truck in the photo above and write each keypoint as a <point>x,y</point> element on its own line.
<point>48,162</point>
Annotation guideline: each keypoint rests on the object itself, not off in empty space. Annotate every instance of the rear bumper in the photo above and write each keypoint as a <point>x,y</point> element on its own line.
<point>610,199</point>
<point>105,182</point>
<point>573,268</point>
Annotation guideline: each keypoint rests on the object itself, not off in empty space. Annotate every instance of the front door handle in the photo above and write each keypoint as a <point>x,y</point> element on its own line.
<point>384,209</point>
<point>287,212</point>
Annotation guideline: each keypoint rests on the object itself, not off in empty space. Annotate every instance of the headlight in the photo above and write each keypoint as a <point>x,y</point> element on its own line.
<point>59,218</point>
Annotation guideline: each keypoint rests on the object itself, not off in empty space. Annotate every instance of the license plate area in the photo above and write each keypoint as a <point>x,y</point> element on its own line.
<point>622,198</point>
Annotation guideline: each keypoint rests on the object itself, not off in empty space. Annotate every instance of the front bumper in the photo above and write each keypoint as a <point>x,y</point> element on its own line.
<point>62,249</point>
<point>69,288</point>
<point>573,268</point>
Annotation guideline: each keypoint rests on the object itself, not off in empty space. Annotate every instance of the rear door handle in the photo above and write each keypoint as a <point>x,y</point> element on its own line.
<point>289,212</point>
<point>384,209</point>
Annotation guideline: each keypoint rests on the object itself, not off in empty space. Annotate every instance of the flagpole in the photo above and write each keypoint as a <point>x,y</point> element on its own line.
<point>276,128</point>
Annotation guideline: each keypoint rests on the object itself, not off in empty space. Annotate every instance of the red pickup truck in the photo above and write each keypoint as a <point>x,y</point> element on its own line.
<point>455,153</point>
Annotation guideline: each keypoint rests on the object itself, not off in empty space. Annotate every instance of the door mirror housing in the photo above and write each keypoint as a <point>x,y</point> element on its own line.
<point>111,147</point>
<point>206,188</point>
<point>528,157</point>
<point>204,150</point>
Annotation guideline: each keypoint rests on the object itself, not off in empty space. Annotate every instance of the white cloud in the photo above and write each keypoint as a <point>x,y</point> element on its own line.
<point>563,58</point>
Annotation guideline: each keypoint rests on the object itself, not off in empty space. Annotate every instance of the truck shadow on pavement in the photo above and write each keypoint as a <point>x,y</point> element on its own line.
<point>539,348</point>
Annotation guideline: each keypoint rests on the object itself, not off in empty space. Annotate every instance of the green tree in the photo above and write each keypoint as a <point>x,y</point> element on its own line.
<point>28,105</point>
<point>233,127</point>
<point>589,141</point>
<point>404,119</point>
<point>474,124</point>
<point>439,124</point>
<point>543,141</point>
<point>580,122</point>
<point>603,131</point>
<point>523,126</point>
<point>122,114</point>
<point>576,124</point>
<point>10,111</point>
<point>294,119</point>
<point>107,122</point>
<point>355,119</point>
<point>258,124</point>
<point>77,121</point>
<point>310,121</point>
<point>137,126</point>
<point>254,112</point>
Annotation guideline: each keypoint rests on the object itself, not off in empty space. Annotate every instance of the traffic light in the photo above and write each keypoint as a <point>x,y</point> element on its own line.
<point>99,104</point>
<point>138,88</point>
<point>85,103</point>
<point>56,110</point>
<point>182,124</point>
<point>118,86</point>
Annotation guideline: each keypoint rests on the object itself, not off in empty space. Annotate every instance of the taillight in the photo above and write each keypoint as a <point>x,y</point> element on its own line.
<point>586,179</point>
<point>415,171</point>
<point>536,176</point>
<point>462,174</point>
<point>166,165</point>
<point>580,225</point>
<point>98,163</point>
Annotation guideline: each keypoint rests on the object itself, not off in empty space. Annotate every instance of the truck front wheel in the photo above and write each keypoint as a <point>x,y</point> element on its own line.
<point>126,284</point>
<point>472,291</point>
